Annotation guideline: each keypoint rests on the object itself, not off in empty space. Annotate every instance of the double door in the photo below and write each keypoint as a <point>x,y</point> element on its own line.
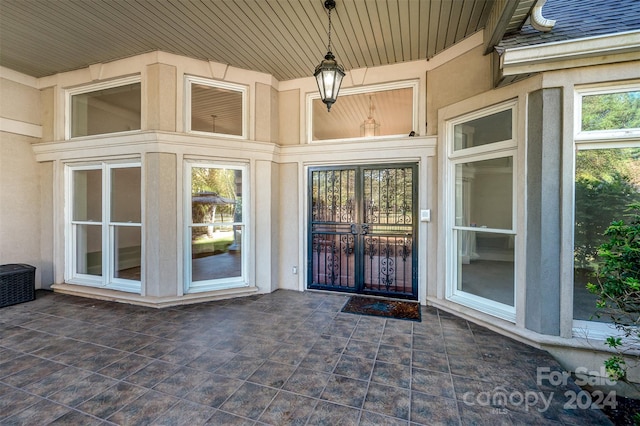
<point>362,230</point>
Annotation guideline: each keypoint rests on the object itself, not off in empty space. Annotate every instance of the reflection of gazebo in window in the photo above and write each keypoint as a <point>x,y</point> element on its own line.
<point>213,252</point>
<point>204,207</point>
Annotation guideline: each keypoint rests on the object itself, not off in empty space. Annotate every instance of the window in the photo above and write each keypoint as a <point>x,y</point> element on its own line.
<point>104,108</point>
<point>215,107</point>
<point>484,130</point>
<point>482,227</point>
<point>216,226</point>
<point>104,242</point>
<point>608,113</point>
<point>375,111</point>
<point>607,180</point>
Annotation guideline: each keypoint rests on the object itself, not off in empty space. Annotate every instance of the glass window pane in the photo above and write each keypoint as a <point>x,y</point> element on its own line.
<point>127,252</point>
<point>116,109</point>
<point>87,195</point>
<point>216,110</point>
<point>216,195</point>
<point>611,111</point>
<point>606,182</point>
<point>390,110</point>
<point>218,255</point>
<point>125,194</point>
<point>89,249</point>
<point>484,193</point>
<point>482,131</point>
<point>486,265</point>
<point>217,228</point>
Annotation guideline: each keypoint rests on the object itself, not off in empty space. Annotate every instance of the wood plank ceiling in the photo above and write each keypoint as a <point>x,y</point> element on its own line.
<point>284,38</point>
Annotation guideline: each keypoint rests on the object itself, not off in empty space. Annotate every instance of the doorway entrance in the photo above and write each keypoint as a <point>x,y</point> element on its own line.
<point>362,230</point>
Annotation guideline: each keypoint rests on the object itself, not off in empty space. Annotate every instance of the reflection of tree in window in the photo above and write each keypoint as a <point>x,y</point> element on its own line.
<point>215,198</point>
<point>607,180</point>
<point>216,228</point>
<point>611,111</point>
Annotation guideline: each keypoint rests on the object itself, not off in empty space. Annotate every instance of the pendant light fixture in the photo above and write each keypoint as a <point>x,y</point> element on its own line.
<point>370,127</point>
<point>329,73</point>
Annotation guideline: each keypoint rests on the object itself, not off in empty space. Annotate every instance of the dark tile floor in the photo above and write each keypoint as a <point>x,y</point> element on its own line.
<point>286,358</point>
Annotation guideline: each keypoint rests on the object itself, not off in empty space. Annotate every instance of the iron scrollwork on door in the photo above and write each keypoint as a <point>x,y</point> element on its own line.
<point>388,262</point>
<point>389,213</point>
<point>332,255</point>
<point>362,229</point>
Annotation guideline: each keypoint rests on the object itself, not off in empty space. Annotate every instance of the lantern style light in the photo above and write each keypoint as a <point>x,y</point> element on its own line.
<point>329,73</point>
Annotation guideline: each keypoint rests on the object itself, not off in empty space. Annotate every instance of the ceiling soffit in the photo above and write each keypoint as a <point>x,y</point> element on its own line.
<point>284,38</point>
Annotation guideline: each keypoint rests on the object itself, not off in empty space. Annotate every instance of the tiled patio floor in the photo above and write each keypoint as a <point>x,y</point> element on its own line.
<point>283,358</point>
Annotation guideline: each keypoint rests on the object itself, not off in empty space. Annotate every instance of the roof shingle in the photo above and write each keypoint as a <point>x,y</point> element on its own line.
<point>578,19</point>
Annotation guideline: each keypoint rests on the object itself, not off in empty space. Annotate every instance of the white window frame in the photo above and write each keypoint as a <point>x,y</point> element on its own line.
<point>69,93</point>
<point>243,90</point>
<point>597,139</point>
<point>500,149</point>
<point>107,279</point>
<point>412,84</point>
<point>221,283</point>
<point>602,135</point>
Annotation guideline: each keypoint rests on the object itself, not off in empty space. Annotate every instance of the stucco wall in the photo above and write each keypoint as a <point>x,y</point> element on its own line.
<point>20,219</point>
<point>47,108</point>
<point>19,198</point>
<point>289,117</point>
<point>266,125</point>
<point>160,238</point>
<point>461,78</point>
<point>289,217</point>
<point>19,102</point>
<point>161,108</point>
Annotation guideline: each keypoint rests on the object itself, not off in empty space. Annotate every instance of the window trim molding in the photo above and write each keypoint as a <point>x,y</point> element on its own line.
<point>104,281</point>
<point>220,283</point>
<point>370,89</point>
<point>189,80</point>
<point>590,140</point>
<point>70,92</point>
<point>500,149</point>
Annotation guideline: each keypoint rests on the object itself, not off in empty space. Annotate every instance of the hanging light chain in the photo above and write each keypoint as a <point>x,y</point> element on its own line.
<point>329,45</point>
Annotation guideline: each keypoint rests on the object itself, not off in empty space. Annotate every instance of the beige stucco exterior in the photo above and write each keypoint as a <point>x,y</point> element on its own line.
<point>21,216</point>
<point>460,78</point>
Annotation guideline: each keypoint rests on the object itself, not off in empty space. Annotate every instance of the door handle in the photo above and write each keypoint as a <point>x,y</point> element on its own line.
<point>364,229</point>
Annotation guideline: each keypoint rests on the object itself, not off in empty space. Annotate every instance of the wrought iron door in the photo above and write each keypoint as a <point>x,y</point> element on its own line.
<point>362,230</point>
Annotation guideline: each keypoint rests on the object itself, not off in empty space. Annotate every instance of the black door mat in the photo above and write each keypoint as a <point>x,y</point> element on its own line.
<point>383,308</point>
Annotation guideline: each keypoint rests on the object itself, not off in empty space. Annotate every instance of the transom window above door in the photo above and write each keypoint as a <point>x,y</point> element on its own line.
<point>383,111</point>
